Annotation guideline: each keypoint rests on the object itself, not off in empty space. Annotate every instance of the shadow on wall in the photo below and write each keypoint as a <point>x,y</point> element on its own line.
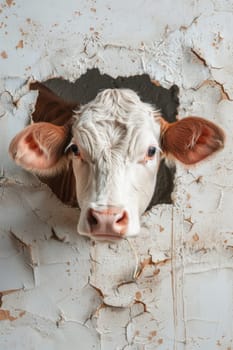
<point>85,89</point>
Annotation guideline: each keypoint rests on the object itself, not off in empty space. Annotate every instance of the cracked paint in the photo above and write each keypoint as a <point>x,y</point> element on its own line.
<point>171,287</point>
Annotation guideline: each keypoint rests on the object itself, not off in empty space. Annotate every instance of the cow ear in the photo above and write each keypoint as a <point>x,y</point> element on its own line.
<point>51,108</point>
<point>191,139</point>
<point>40,148</point>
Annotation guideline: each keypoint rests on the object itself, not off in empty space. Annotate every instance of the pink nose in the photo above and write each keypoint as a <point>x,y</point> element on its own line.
<point>108,221</point>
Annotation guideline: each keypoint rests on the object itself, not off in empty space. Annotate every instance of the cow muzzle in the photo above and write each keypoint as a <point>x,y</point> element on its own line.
<point>107,222</point>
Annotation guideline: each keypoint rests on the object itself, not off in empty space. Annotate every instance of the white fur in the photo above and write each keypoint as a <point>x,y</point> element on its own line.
<point>113,133</point>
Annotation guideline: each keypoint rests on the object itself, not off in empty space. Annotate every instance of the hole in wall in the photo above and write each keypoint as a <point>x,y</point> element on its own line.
<point>84,90</point>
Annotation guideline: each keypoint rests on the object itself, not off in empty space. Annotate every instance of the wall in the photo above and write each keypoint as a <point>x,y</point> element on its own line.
<point>169,288</point>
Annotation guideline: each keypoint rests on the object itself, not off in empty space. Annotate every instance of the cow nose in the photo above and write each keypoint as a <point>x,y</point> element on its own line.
<point>108,221</point>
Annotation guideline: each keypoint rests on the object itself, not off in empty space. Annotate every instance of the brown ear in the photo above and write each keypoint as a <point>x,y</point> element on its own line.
<point>191,139</point>
<point>50,107</point>
<point>40,147</point>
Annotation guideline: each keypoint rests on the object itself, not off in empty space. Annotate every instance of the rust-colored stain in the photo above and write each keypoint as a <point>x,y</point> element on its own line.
<point>161,228</point>
<point>143,264</point>
<point>153,333</point>
<point>3,25</point>
<point>182,28</point>
<point>20,44</point>
<point>138,295</point>
<point>100,307</point>
<point>189,221</point>
<point>22,313</point>
<point>213,83</point>
<point>23,32</point>
<point>4,55</point>
<point>156,82</point>
<point>160,341</point>
<point>217,40</point>
<point>6,292</point>
<point>199,57</point>
<point>93,9</point>
<point>5,315</point>
<point>10,3</point>
<point>162,263</point>
<point>195,237</point>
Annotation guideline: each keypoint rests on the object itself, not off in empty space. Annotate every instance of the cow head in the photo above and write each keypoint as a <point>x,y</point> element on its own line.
<point>115,143</point>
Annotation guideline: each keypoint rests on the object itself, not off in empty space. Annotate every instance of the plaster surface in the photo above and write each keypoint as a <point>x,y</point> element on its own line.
<point>171,288</point>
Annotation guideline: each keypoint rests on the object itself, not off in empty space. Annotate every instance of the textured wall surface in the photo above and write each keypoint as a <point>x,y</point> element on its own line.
<point>171,288</point>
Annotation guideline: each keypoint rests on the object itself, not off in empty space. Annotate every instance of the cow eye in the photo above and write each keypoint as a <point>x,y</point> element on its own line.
<point>74,149</point>
<point>151,151</point>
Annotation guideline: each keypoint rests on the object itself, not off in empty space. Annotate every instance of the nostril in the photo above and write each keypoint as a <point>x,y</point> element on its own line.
<point>91,218</point>
<point>123,219</point>
<point>121,224</point>
<point>107,221</point>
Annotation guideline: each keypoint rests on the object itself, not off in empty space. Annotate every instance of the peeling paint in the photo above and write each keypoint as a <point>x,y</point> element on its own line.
<point>169,288</point>
<point>20,44</point>
<point>4,55</point>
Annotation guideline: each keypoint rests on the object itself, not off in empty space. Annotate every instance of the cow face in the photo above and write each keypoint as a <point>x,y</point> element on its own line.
<point>115,147</point>
<point>115,155</point>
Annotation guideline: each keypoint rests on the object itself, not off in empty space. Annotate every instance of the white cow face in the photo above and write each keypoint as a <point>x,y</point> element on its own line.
<point>116,154</point>
<point>115,146</point>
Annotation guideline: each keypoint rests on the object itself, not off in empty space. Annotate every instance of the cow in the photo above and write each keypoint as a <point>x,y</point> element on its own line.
<point>115,144</point>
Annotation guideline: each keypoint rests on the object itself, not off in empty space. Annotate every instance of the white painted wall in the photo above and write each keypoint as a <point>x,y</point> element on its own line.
<point>170,288</point>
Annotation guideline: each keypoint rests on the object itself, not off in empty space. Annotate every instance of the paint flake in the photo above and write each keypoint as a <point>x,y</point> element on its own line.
<point>4,55</point>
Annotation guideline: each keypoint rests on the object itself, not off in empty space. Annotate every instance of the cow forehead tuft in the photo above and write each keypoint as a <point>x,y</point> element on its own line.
<point>119,105</point>
<point>115,118</point>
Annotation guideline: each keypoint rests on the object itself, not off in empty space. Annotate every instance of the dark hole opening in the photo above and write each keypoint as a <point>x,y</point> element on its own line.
<point>84,90</point>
